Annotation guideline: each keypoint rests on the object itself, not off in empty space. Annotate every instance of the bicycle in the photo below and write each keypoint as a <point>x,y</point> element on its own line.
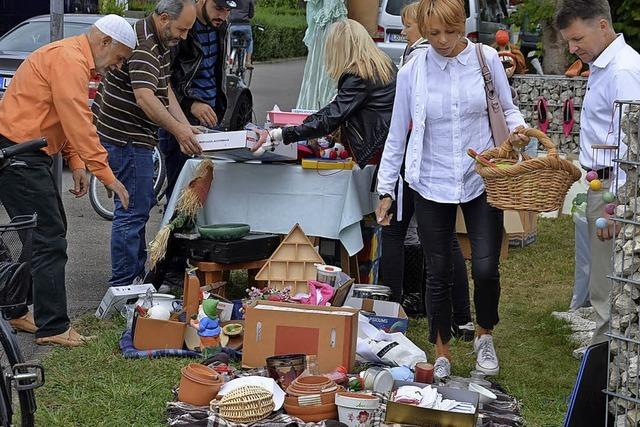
<point>238,57</point>
<point>15,282</point>
<point>102,201</point>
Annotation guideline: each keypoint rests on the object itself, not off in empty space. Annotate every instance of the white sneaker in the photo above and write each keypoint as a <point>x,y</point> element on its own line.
<point>442,368</point>
<point>486,359</point>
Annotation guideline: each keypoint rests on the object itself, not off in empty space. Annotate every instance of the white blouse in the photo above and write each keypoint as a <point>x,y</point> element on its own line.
<point>445,99</point>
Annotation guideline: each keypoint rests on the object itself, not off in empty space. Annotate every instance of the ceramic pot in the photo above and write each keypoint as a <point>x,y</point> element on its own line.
<point>313,399</point>
<point>313,384</point>
<point>286,368</point>
<point>356,409</point>
<point>199,384</point>
<point>313,413</point>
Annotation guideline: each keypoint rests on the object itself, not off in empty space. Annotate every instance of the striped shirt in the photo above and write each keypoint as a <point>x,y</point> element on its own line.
<point>117,116</point>
<point>204,83</point>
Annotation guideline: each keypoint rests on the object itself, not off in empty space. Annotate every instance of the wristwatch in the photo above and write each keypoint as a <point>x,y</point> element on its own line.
<point>384,196</point>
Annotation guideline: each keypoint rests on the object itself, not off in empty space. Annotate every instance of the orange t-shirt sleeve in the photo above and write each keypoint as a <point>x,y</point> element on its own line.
<point>69,83</point>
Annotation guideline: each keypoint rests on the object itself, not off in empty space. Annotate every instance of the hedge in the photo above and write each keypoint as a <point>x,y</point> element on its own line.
<point>280,4</point>
<point>282,37</point>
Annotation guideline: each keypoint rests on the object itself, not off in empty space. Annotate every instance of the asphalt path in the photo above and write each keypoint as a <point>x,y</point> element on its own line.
<point>88,269</point>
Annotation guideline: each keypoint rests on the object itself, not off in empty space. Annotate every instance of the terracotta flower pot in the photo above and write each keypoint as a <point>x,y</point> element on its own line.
<point>313,413</point>
<point>199,384</point>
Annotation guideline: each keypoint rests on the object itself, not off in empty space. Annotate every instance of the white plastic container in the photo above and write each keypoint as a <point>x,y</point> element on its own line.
<point>377,379</point>
<point>356,409</point>
<point>328,274</point>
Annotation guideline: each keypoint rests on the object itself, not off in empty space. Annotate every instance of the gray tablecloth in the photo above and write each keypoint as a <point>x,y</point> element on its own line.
<point>272,198</point>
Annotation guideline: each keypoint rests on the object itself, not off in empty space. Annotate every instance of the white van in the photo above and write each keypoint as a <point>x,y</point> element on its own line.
<point>484,18</point>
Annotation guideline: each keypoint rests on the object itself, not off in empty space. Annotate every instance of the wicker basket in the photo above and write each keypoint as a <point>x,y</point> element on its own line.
<point>538,185</point>
<point>246,404</point>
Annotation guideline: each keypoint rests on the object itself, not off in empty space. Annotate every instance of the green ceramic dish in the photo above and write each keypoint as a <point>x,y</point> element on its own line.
<point>224,232</point>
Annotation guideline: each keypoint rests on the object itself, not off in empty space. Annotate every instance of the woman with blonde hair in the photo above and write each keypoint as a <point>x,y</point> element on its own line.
<point>442,92</point>
<point>366,87</point>
<point>410,30</point>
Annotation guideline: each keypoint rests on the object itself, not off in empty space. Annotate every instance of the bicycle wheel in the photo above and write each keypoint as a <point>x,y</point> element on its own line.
<point>103,204</point>
<point>25,400</point>
<point>100,200</point>
<point>159,174</point>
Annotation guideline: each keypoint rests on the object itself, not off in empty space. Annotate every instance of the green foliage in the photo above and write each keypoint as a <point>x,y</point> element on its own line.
<point>143,5</point>
<point>626,19</point>
<point>278,4</point>
<point>531,12</point>
<point>112,6</point>
<point>282,37</point>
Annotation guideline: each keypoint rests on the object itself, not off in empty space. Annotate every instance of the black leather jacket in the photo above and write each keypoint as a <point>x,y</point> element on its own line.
<point>185,61</point>
<point>362,107</point>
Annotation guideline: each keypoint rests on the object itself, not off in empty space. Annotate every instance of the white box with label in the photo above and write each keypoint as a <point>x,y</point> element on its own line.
<point>237,145</point>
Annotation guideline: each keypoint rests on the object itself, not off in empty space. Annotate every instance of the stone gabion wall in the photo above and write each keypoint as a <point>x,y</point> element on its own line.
<point>556,89</point>
<point>624,378</point>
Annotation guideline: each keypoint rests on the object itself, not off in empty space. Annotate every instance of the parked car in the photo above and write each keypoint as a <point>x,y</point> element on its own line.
<point>484,18</point>
<point>16,11</point>
<point>34,33</point>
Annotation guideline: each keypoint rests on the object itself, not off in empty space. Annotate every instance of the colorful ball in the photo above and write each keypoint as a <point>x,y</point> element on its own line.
<point>608,197</point>
<point>595,185</point>
<point>610,208</point>
<point>591,175</point>
<point>502,37</point>
<point>601,223</point>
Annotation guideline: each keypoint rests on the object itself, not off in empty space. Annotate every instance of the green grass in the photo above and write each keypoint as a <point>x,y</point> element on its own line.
<point>96,386</point>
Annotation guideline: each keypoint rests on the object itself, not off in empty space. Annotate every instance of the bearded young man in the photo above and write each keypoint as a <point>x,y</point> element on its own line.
<point>198,78</point>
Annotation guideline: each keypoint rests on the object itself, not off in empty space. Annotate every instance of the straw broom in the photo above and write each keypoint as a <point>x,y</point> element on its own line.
<point>191,200</point>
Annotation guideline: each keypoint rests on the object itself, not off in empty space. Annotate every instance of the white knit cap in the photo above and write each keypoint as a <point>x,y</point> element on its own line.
<point>118,29</point>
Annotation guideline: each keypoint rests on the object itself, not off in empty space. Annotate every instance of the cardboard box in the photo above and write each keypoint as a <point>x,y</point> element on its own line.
<point>153,334</point>
<point>525,227</point>
<point>401,413</point>
<point>385,315</point>
<point>237,145</point>
<point>273,328</point>
<point>520,229</point>
<point>117,296</point>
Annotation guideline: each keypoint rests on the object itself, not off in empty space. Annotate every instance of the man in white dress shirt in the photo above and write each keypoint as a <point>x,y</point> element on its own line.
<point>615,75</point>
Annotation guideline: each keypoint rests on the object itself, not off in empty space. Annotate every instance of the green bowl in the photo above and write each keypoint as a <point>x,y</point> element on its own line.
<point>224,232</point>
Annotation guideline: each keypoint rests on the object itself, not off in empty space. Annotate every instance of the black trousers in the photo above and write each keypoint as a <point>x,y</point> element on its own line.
<point>23,191</point>
<point>392,263</point>
<point>436,224</point>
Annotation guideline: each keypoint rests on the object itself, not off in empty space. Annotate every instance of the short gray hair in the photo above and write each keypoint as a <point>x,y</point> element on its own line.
<point>173,8</point>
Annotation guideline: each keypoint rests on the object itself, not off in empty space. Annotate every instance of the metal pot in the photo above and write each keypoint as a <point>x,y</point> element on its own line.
<point>377,292</point>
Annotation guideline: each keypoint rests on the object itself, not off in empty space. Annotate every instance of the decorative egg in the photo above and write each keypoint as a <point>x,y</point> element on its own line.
<point>591,175</point>
<point>595,185</point>
<point>610,208</point>
<point>601,223</point>
<point>608,197</point>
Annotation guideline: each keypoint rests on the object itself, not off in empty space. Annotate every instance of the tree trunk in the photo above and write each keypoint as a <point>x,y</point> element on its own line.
<point>554,50</point>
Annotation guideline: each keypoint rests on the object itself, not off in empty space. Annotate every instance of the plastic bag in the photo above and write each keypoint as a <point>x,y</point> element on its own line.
<point>393,349</point>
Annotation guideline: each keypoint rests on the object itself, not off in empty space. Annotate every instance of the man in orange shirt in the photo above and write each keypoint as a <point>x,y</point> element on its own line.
<point>48,98</point>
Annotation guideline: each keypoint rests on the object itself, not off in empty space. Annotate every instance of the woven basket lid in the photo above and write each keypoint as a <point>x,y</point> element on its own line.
<point>245,404</point>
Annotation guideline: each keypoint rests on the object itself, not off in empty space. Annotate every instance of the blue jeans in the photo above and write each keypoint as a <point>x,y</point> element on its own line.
<point>246,29</point>
<point>133,166</point>
<point>174,159</point>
